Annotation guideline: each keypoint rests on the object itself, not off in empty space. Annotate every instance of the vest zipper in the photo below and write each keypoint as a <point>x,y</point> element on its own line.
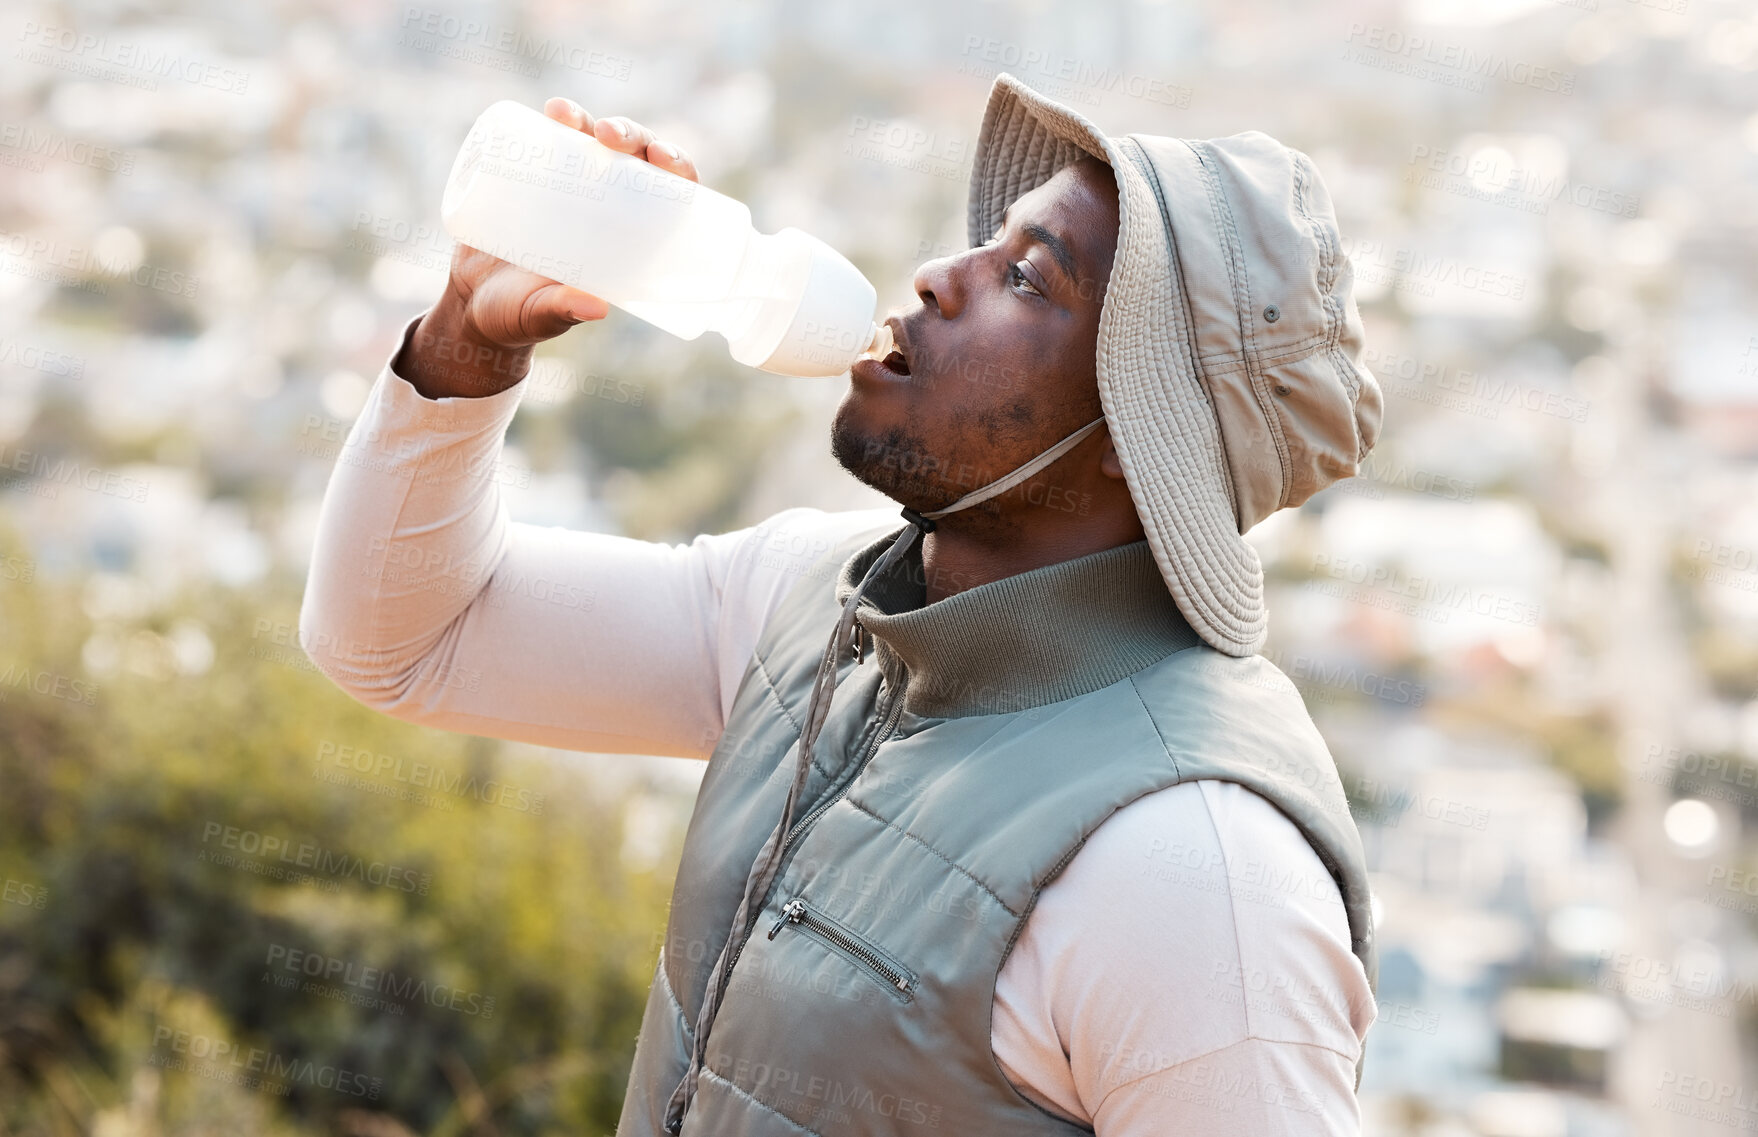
<point>850,943</point>
<point>893,712</point>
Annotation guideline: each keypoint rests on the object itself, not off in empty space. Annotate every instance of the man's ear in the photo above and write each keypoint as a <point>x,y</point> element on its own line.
<point>1109,464</point>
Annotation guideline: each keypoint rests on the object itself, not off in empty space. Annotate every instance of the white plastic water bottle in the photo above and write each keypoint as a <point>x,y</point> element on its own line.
<point>559,203</point>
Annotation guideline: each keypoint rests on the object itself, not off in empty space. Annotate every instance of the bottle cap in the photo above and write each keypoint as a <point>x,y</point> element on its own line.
<point>833,324</point>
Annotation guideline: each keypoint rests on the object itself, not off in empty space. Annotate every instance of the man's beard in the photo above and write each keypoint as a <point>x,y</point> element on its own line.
<point>897,463</point>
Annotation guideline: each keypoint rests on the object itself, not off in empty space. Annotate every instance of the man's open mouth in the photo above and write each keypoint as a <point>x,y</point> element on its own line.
<point>897,362</point>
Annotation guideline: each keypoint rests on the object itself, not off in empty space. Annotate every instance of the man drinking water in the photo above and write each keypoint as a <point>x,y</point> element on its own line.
<point>1005,828</point>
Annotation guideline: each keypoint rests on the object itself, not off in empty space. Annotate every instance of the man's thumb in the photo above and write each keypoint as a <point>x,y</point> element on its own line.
<point>582,306</point>
<point>557,308</point>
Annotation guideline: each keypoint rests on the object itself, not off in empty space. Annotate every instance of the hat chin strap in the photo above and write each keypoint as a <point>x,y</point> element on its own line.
<point>1006,481</point>
<point>823,687</point>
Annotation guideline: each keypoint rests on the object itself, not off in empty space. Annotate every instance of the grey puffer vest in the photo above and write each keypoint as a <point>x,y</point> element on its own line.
<point>970,749</point>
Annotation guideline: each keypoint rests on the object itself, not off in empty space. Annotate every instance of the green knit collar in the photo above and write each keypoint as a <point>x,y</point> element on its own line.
<point>1022,641</point>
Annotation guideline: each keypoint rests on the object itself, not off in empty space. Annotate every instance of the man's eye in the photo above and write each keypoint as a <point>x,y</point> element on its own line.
<point>1017,277</point>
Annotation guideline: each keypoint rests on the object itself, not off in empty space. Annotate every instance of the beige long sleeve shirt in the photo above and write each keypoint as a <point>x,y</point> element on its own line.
<point>427,602</point>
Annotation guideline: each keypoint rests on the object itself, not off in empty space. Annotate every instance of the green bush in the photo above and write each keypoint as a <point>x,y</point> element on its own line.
<point>168,848</point>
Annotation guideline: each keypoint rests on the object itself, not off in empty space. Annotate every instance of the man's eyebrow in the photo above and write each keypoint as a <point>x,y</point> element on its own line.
<point>1057,246</point>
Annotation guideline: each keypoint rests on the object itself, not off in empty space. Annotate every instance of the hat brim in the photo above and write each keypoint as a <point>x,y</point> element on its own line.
<point>1156,407</point>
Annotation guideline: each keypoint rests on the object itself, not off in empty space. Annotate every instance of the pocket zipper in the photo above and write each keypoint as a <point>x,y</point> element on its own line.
<point>888,723</point>
<point>893,975</point>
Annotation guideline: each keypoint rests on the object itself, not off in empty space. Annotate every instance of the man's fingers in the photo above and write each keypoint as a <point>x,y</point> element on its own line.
<point>669,157</point>
<point>569,113</point>
<point>631,137</point>
<point>624,135</point>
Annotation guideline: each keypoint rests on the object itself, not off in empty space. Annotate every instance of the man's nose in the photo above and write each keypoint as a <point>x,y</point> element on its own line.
<point>940,284</point>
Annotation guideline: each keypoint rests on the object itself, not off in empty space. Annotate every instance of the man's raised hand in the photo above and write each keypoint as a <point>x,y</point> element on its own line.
<point>477,338</point>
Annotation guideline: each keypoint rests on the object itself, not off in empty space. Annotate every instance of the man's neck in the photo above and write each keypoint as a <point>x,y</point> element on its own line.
<point>962,553</point>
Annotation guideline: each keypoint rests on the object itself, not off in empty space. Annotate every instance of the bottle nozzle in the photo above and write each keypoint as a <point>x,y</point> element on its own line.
<point>881,345</point>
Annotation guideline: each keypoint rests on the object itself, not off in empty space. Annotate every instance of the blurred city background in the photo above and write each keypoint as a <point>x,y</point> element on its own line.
<point>1529,630</point>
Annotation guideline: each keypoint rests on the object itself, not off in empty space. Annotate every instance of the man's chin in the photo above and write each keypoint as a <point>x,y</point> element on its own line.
<point>893,460</point>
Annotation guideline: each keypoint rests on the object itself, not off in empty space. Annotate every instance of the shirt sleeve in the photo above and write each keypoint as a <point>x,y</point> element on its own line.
<point>426,602</point>
<point>1251,1088</point>
<point>1190,972</point>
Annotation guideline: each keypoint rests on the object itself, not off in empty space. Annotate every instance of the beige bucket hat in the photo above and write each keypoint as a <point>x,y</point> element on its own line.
<point>1230,347</point>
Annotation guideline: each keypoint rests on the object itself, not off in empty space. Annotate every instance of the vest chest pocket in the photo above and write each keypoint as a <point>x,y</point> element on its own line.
<point>864,953</point>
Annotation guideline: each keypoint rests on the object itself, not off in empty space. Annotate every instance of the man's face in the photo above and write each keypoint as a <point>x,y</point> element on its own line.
<point>997,360</point>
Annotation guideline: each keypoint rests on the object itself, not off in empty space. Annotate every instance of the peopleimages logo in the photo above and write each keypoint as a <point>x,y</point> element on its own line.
<point>572,170</point>
<point>1730,1104</point>
<point>1483,175</point>
<point>24,893</point>
<point>51,474</point>
<point>1347,677</point>
<point>234,846</point>
<point>829,1095</point>
<point>86,54</point>
<point>321,971</point>
<point>1420,54</point>
<point>1419,595</point>
<point>249,1066</point>
<point>40,359</point>
<point>1690,986</point>
<point>77,260</point>
<point>32,144</point>
<point>1374,261</point>
<point>17,677</point>
<point>1067,78</point>
<point>429,29</point>
<point>1468,392</point>
<point>429,776</point>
